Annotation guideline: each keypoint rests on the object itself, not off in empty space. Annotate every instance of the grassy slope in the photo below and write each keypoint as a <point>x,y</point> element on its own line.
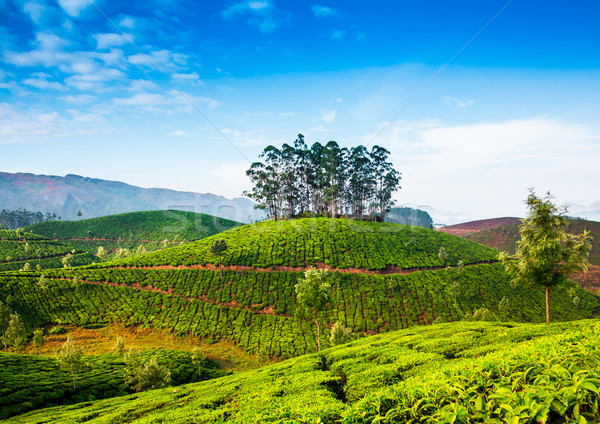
<point>130,230</point>
<point>337,243</point>
<point>255,309</point>
<point>102,377</point>
<point>459,372</point>
<point>18,248</point>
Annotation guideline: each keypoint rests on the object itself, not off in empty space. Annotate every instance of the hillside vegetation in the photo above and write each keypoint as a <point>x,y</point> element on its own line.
<point>18,248</point>
<point>152,230</point>
<point>453,373</point>
<point>32,382</point>
<point>335,243</point>
<point>377,286</point>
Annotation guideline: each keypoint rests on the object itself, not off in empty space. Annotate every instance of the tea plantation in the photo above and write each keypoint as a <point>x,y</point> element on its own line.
<point>255,308</point>
<point>33,382</point>
<point>153,230</point>
<point>448,373</point>
<point>336,243</point>
<point>18,248</point>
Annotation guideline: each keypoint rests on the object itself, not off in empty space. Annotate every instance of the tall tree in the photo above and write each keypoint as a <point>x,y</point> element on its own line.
<point>15,333</point>
<point>546,255</point>
<point>313,296</point>
<point>4,320</point>
<point>70,358</point>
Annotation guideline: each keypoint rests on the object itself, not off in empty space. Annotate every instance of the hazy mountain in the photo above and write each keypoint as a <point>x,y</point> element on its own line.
<point>68,195</point>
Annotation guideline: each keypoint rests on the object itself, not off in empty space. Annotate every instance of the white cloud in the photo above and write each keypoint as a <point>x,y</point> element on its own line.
<point>178,133</point>
<point>127,22</point>
<point>487,167</point>
<point>451,101</point>
<point>35,10</point>
<point>338,34</point>
<point>111,39</point>
<point>328,116</point>
<point>164,60</point>
<point>94,80</point>
<point>19,126</point>
<point>323,11</point>
<point>79,99</point>
<point>143,85</point>
<point>171,102</point>
<point>261,14</point>
<point>41,82</point>
<point>74,7</point>
<point>192,78</point>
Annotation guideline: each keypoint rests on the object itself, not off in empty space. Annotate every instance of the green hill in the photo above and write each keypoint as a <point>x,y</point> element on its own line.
<point>334,243</point>
<point>153,230</point>
<point>18,248</point>
<point>449,373</point>
<point>384,277</point>
<point>33,382</point>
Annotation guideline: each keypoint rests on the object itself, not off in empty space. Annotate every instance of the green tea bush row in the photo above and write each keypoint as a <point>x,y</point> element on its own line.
<point>336,243</point>
<point>32,382</point>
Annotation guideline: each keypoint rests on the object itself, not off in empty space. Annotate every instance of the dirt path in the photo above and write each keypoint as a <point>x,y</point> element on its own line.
<point>389,270</point>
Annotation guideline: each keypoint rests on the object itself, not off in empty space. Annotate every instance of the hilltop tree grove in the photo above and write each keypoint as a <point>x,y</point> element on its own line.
<point>324,179</point>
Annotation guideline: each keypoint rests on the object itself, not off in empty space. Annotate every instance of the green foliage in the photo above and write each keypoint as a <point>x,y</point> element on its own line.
<point>339,334</point>
<point>38,339</point>
<point>143,374</point>
<point>57,330</point>
<point>70,358</point>
<point>15,333</point>
<point>119,346</point>
<point>19,249</point>
<point>34,382</point>
<point>460,372</point>
<point>313,297</point>
<point>546,255</point>
<point>4,321</point>
<point>135,231</point>
<point>337,243</point>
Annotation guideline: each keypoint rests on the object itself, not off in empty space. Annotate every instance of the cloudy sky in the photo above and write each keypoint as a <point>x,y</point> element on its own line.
<point>476,100</point>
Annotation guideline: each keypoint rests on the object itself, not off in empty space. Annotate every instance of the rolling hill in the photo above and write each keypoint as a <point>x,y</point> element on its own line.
<point>68,195</point>
<point>152,229</point>
<point>18,248</point>
<point>384,277</point>
<point>503,234</point>
<point>458,372</point>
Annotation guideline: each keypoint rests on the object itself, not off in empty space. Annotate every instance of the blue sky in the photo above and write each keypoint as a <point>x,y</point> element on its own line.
<point>184,94</point>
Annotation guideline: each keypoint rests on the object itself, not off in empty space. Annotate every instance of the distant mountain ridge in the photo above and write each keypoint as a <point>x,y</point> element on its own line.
<point>94,197</point>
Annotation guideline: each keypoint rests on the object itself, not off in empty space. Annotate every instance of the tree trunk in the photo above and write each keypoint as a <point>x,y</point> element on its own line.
<point>547,305</point>
<point>318,335</point>
<point>220,271</point>
<point>73,382</point>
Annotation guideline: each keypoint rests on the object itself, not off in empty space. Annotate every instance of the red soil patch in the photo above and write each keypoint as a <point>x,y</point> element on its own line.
<point>476,226</point>
<point>390,269</point>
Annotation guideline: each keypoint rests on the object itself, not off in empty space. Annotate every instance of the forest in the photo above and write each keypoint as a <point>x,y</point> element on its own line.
<point>323,180</point>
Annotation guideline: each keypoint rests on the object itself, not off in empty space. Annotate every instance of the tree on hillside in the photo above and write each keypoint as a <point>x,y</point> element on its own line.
<point>198,359</point>
<point>546,255</point>
<point>15,333</point>
<point>218,248</point>
<point>67,260</point>
<point>4,321</point>
<point>39,340</point>
<point>101,253</point>
<point>70,358</point>
<point>143,375</point>
<point>313,296</point>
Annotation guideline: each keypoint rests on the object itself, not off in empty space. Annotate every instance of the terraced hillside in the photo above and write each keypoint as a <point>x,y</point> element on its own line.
<point>18,248</point>
<point>31,382</point>
<point>384,277</point>
<point>153,230</point>
<point>458,372</point>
